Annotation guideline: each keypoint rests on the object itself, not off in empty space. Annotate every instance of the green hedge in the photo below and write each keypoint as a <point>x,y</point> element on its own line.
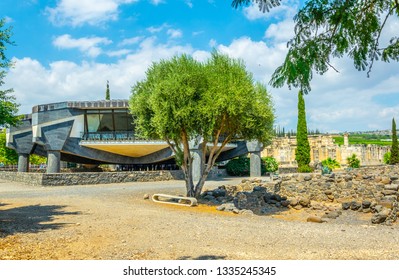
<point>241,166</point>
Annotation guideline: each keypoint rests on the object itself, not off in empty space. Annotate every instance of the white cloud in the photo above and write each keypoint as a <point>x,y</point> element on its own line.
<point>118,53</point>
<point>87,45</point>
<point>79,12</point>
<point>157,29</point>
<point>281,31</point>
<point>201,56</point>
<point>196,33</point>
<point>174,33</point>
<point>390,30</point>
<point>8,19</point>
<point>131,41</point>
<point>65,80</point>
<point>212,43</point>
<point>157,2</point>
<point>189,3</point>
<point>342,101</point>
<point>171,32</point>
<point>259,57</point>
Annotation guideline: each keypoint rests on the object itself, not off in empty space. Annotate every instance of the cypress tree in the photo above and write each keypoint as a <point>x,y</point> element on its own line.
<point>302,153</point>
<point>107,94</point>
<point>395,148</point>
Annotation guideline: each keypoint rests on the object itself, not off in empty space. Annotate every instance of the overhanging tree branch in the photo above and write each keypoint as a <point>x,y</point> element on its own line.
<point>351,28</point>
<point>375,48</point>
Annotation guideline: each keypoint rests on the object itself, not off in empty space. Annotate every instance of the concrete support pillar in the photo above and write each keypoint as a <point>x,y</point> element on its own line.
<point>53,161</point>
<point>255,164</point>
<point>254,148</point>
<point>197,170</point>
<point>23,162</point>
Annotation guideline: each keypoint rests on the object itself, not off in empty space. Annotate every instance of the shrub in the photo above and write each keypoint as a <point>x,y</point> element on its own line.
<point>241,166</point>
<point>270,164</point>
<point>353,161</point>
<point>387,157</point>
<point>330,163</point>
<point>37,160</point>
<point>238,167</point>
<point>304,169</point>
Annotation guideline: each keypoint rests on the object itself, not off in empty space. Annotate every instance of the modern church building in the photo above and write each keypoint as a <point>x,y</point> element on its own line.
<point>98,132</point>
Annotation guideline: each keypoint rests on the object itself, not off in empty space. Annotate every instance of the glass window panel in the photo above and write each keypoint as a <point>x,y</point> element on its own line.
<point>93,122</point>
<point>123,122</point>
<point>106,123</point>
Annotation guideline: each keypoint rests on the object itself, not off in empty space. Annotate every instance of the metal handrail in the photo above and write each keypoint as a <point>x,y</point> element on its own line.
<point>111,136</point>
<point>125,136</point>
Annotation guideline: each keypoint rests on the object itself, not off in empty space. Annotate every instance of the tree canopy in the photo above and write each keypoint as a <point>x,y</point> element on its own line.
<point>325,29</point>
<point>7,156</point>
<point>188,103</point>
<point>8,105</point>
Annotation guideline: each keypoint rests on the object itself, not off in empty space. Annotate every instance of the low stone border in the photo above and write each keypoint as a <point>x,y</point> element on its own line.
<point>89,178</point>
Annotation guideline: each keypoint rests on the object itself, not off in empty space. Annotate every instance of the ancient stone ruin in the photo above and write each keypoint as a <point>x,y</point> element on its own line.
<point>366,190</point>
<point>322,147</point>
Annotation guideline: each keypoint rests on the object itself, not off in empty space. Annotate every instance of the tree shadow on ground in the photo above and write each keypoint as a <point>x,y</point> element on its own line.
<point>204,257</point>
<point>31,219</point>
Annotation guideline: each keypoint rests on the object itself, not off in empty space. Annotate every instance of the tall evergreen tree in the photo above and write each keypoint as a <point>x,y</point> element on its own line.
<point>107,94</point>
<point>395,148</point>
<point>302,153</point>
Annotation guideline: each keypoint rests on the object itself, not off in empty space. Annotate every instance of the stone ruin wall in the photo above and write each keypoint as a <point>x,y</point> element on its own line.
<point>374,184</point>
<point>322,147</point>
<point>368,190</point>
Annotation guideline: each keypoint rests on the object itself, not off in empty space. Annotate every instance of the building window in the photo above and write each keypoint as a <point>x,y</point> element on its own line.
<point>123,120</point>
<point>108,120</point>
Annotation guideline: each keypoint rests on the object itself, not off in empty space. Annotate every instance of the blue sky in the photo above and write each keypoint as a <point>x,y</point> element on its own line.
<point>68,49</point>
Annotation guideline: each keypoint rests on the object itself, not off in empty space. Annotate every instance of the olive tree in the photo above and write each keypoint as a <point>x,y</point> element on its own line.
<point>325,29</point>
<point>183,101</point>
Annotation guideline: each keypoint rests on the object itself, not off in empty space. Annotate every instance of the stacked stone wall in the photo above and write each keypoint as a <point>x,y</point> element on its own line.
<point>364,190</point>
<point>88,178</point>
<point>372,184</point>
<point>33,179</point>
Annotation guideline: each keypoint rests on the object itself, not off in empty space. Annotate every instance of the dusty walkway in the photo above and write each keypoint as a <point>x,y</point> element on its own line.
<point>114,222</point>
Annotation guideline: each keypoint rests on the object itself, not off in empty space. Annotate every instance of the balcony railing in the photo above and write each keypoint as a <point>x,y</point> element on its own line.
<point>111,136</point>
<point>126,136</point>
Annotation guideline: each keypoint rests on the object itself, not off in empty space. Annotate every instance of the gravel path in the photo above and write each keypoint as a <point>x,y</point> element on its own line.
<point>114,222</point>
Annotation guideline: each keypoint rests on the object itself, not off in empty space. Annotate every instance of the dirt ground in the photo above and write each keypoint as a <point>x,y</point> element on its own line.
<point>114,222</point>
